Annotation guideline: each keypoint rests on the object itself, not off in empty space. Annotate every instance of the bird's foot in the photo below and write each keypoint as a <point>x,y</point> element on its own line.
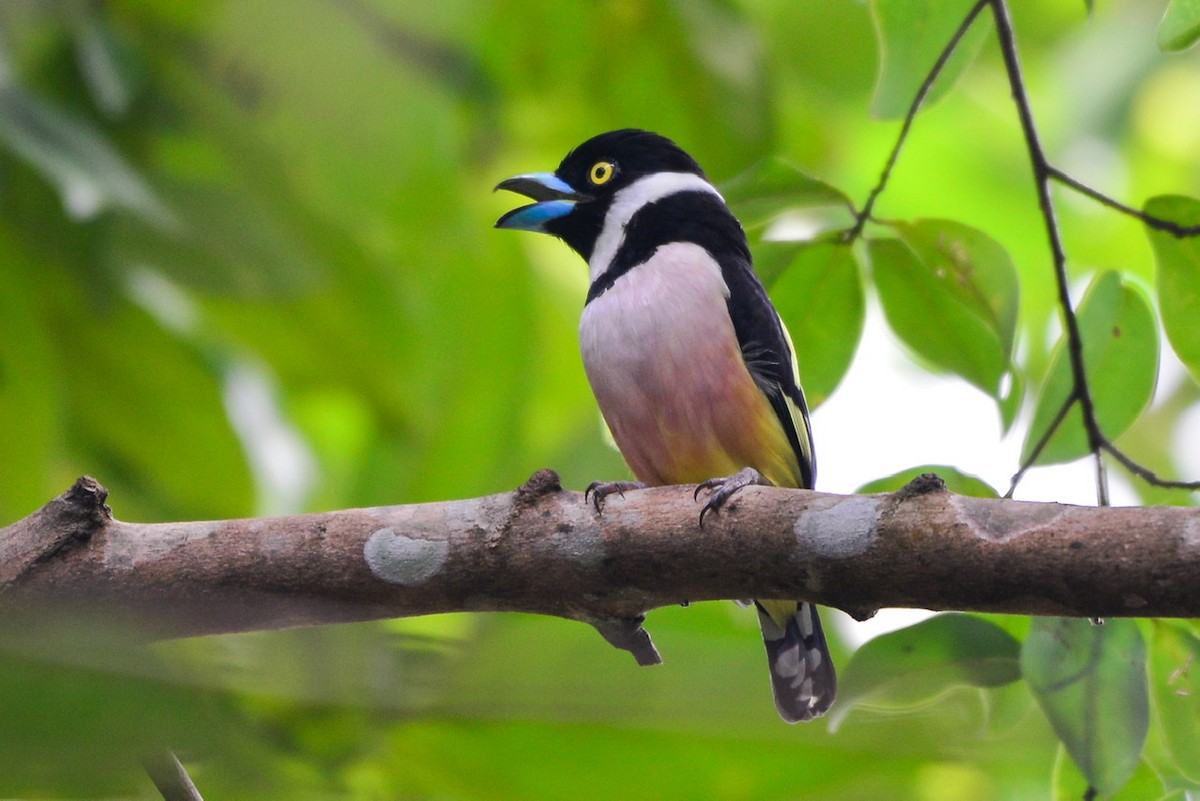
<point>599,490</point>
<point>722,489</point>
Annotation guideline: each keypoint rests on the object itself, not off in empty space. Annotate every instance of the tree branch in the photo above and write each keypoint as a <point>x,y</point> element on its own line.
<point>1044,172</point>
<point>1149,220</point>
<point>1041,444</point>
<point>1041,176</point>
<point>544,550</point>
<point>860,219</point>
<point>1144,473</point>
<point>170,778</point>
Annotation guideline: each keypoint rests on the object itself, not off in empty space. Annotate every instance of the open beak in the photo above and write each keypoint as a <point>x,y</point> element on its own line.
<point>554,198</point>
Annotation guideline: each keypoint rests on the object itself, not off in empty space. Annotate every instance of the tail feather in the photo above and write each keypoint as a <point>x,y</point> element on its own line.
<point>802,674</point>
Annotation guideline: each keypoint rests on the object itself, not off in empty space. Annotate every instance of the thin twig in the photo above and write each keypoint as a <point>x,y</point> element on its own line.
<point>1042,173</point>
<point>861,218</point>
<point>1157,223</point>
<point>1102,498</point>
<point>171,778</point>
<point>1144,473</point>
<point>1041,445</point>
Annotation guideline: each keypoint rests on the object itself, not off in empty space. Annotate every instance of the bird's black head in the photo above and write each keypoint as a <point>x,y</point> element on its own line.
<point>571,202</point>
<point>606,163</point>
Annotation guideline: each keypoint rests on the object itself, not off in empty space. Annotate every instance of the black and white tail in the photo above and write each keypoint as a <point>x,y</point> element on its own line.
<point>802,673</point>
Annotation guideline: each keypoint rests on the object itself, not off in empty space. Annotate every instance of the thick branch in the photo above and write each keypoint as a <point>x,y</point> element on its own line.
<point>545,550</point>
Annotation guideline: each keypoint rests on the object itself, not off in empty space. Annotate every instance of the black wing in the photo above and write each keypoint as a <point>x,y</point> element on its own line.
<point>767,350</point>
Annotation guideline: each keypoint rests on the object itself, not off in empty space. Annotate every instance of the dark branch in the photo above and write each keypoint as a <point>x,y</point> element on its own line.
<point>1149,220</point>
<point>1041,445</point>
<point>1147,475</point>
<point>1044,172</point>
<point>1041,175</point>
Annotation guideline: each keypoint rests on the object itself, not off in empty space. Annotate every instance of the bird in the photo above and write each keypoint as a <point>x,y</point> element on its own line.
<point>692,367</point>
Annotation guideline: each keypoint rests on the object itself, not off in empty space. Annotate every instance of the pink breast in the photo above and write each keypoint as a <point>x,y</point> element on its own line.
<point>664,363</point>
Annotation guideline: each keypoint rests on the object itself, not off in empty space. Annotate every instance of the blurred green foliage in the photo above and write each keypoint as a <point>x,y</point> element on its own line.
<point>246,267</point>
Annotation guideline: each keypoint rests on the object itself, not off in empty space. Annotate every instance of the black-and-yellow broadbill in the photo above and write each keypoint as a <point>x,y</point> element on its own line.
<point>690,363</point>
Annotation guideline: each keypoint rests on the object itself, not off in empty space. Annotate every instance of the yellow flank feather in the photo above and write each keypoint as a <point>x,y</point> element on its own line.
<point>799,421</point>
<point>780,611</point>
<point>760,442</point>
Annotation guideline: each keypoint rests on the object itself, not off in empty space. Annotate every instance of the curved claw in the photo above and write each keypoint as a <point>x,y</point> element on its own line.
<point>706,485</point>
<point>600,490</point>
<point>725,488</point>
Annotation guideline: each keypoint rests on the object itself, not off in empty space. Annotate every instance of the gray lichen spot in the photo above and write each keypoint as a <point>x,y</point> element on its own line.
<point>1001,522</point>
<point>126,548</point>
<point>1191,532</point>
<point>403,560</point>
<point>839,528</point>
<point>476,518</point>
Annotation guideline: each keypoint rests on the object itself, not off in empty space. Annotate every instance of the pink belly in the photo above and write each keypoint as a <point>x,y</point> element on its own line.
<point>688,421</point>
<point>665,366</point>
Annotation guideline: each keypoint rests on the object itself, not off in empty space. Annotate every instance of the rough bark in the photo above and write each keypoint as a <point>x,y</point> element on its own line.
<point>542,549</point>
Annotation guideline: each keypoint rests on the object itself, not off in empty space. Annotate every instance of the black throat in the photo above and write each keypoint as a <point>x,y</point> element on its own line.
<point>695,216</point>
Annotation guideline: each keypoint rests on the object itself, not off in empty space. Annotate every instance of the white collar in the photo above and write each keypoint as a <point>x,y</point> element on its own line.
<point>629,201</point>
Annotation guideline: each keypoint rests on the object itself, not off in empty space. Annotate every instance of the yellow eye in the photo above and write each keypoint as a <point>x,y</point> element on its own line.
<point>602,172</point>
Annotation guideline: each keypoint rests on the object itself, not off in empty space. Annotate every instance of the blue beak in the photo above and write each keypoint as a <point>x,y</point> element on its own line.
<point>555,198</point>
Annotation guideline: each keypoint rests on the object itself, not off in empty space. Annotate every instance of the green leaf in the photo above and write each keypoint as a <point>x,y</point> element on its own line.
<point>773,186</point>
<point>956,481</point>
<point>974,268</point>
<point>1180,26</point>
<point>1120,354</point>
<point>1011,398</point>
<point>719,68</point>
<point>907,668</point>
<point>936,315</point>
<point>772,258</point>
<point>1091,682</point>
<point>820,298</point>
<point>1067,782</point>
<point>1175,671</point>
<point>1178,279</point>
<point>977,272</point>
<point>911,34</point>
